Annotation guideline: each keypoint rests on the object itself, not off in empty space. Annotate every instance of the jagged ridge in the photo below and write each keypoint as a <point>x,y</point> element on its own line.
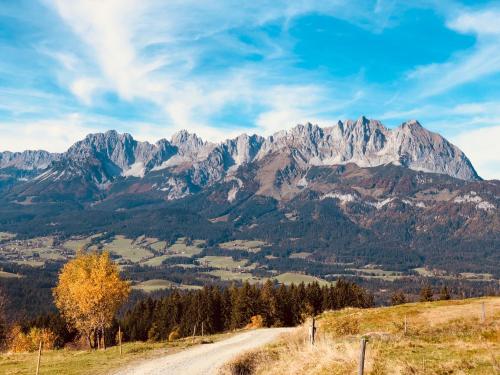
<point>286,155</point>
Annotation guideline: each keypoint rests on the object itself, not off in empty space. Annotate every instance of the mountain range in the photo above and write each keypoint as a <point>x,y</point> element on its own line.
<point>99,160</point>
<point>353,192</point>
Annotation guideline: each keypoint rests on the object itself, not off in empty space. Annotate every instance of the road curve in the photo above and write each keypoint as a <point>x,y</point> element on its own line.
<point>204,359</point>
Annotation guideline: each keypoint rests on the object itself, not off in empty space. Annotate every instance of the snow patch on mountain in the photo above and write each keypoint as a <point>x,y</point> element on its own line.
<point>474,198</point>
<point>344,198</point>
<point>135,170</point>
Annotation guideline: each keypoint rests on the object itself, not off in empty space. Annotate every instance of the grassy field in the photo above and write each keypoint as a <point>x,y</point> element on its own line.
<point>78,243</point>
<point>125,248</point>
<point>73,362</point>
<point>6,236</point>
<point>222,262</point>
<point>235,276</point>
<point>301,255</point>
<point>376,273</point>
<point>30,263</point>
<point>182,249</point>
<point>156,261</point>
<point>157,284</point>
<point>288,278</point>
<point>159,245</point>
<point>252,246</point>
<point>444,337</point>
<point>8,275</point>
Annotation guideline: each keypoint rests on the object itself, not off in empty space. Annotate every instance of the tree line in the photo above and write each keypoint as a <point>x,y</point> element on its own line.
<point>221,309</point>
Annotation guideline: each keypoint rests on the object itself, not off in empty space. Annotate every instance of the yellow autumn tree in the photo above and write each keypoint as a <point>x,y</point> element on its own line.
<point>89,293</point>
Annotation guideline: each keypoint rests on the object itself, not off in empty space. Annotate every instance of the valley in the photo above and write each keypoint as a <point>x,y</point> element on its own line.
<point>308,204</point>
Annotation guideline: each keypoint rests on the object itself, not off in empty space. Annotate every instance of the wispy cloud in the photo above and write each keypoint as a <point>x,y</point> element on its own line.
<point>153,51</point>
<point>152,67</point>
<point>465,66</point>
<point>56,134</point>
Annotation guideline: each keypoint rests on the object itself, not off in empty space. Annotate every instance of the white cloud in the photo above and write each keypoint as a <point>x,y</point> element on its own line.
<point>482,22</point>
<point>54,135</point>
<point>481,146</point>
<point>156,51</point>
<point>84,89</point>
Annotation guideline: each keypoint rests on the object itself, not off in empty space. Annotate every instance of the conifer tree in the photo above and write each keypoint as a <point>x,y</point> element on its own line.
<point>426,293</point>
<point>398,298</point>
<point>444,294</point>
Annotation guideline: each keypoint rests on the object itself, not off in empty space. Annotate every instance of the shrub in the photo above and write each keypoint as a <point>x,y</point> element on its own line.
<point>245,364</point>
<point>174,335</point>
<point>256,321</point>
<point>29,342</point>
<point>154,333</point>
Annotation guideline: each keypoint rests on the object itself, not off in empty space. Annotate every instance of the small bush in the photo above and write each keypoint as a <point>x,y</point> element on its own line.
<point>256,321</point>
<point>174,335</point>
<point>246,364</point>
<point>29,342</point>
<point>154,333</point>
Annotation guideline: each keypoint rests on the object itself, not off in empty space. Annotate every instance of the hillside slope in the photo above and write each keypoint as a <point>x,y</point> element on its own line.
<point>445,337</point>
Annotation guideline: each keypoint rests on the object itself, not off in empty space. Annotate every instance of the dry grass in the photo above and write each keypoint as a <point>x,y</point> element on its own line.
<point>293,355</point>
<point>445,337</point>
<point>96,362</point>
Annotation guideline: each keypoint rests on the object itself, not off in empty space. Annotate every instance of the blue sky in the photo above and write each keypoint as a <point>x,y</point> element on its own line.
<point>220,68</point>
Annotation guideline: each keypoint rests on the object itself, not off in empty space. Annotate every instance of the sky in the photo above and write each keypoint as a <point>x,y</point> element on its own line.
<point>222,68</point>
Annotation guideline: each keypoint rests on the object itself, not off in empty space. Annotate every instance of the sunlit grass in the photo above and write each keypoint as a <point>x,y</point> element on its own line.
<point>79,362</point>
<point>444,337</point>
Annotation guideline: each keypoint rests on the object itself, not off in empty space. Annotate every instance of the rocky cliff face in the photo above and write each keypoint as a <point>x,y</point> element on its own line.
<point>27,160</point>
<point>281,161</point>
<point>368,143</point>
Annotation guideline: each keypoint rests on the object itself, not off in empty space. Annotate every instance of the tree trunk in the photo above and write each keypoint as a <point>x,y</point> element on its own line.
<point>103,339</point>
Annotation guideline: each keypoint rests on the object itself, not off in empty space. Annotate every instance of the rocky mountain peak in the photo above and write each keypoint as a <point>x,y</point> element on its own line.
<point>183,137</point>
<point>27,160</point>
<point>280,161</point>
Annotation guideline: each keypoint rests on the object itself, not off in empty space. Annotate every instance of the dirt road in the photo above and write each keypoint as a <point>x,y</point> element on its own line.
<point>204,359</point>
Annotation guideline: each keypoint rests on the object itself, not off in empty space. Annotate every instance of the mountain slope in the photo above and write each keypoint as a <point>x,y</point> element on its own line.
<point>354,193</point>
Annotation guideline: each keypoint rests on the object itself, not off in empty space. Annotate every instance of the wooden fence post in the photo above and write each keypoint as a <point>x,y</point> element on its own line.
<point>120,339</point>
<point>201,329</point>
<point>312,331</point>
<point>483,312</point>
<point>39,355</point>
<point>362,350</point>
<point>194,332</point>
<point>406,325</point>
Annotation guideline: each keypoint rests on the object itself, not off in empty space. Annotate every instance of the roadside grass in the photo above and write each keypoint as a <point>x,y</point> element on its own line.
<point>97,362</point>
<point>443,337</point>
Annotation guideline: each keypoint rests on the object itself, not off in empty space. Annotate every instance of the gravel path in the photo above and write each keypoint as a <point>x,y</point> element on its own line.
<point>207,358</point>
